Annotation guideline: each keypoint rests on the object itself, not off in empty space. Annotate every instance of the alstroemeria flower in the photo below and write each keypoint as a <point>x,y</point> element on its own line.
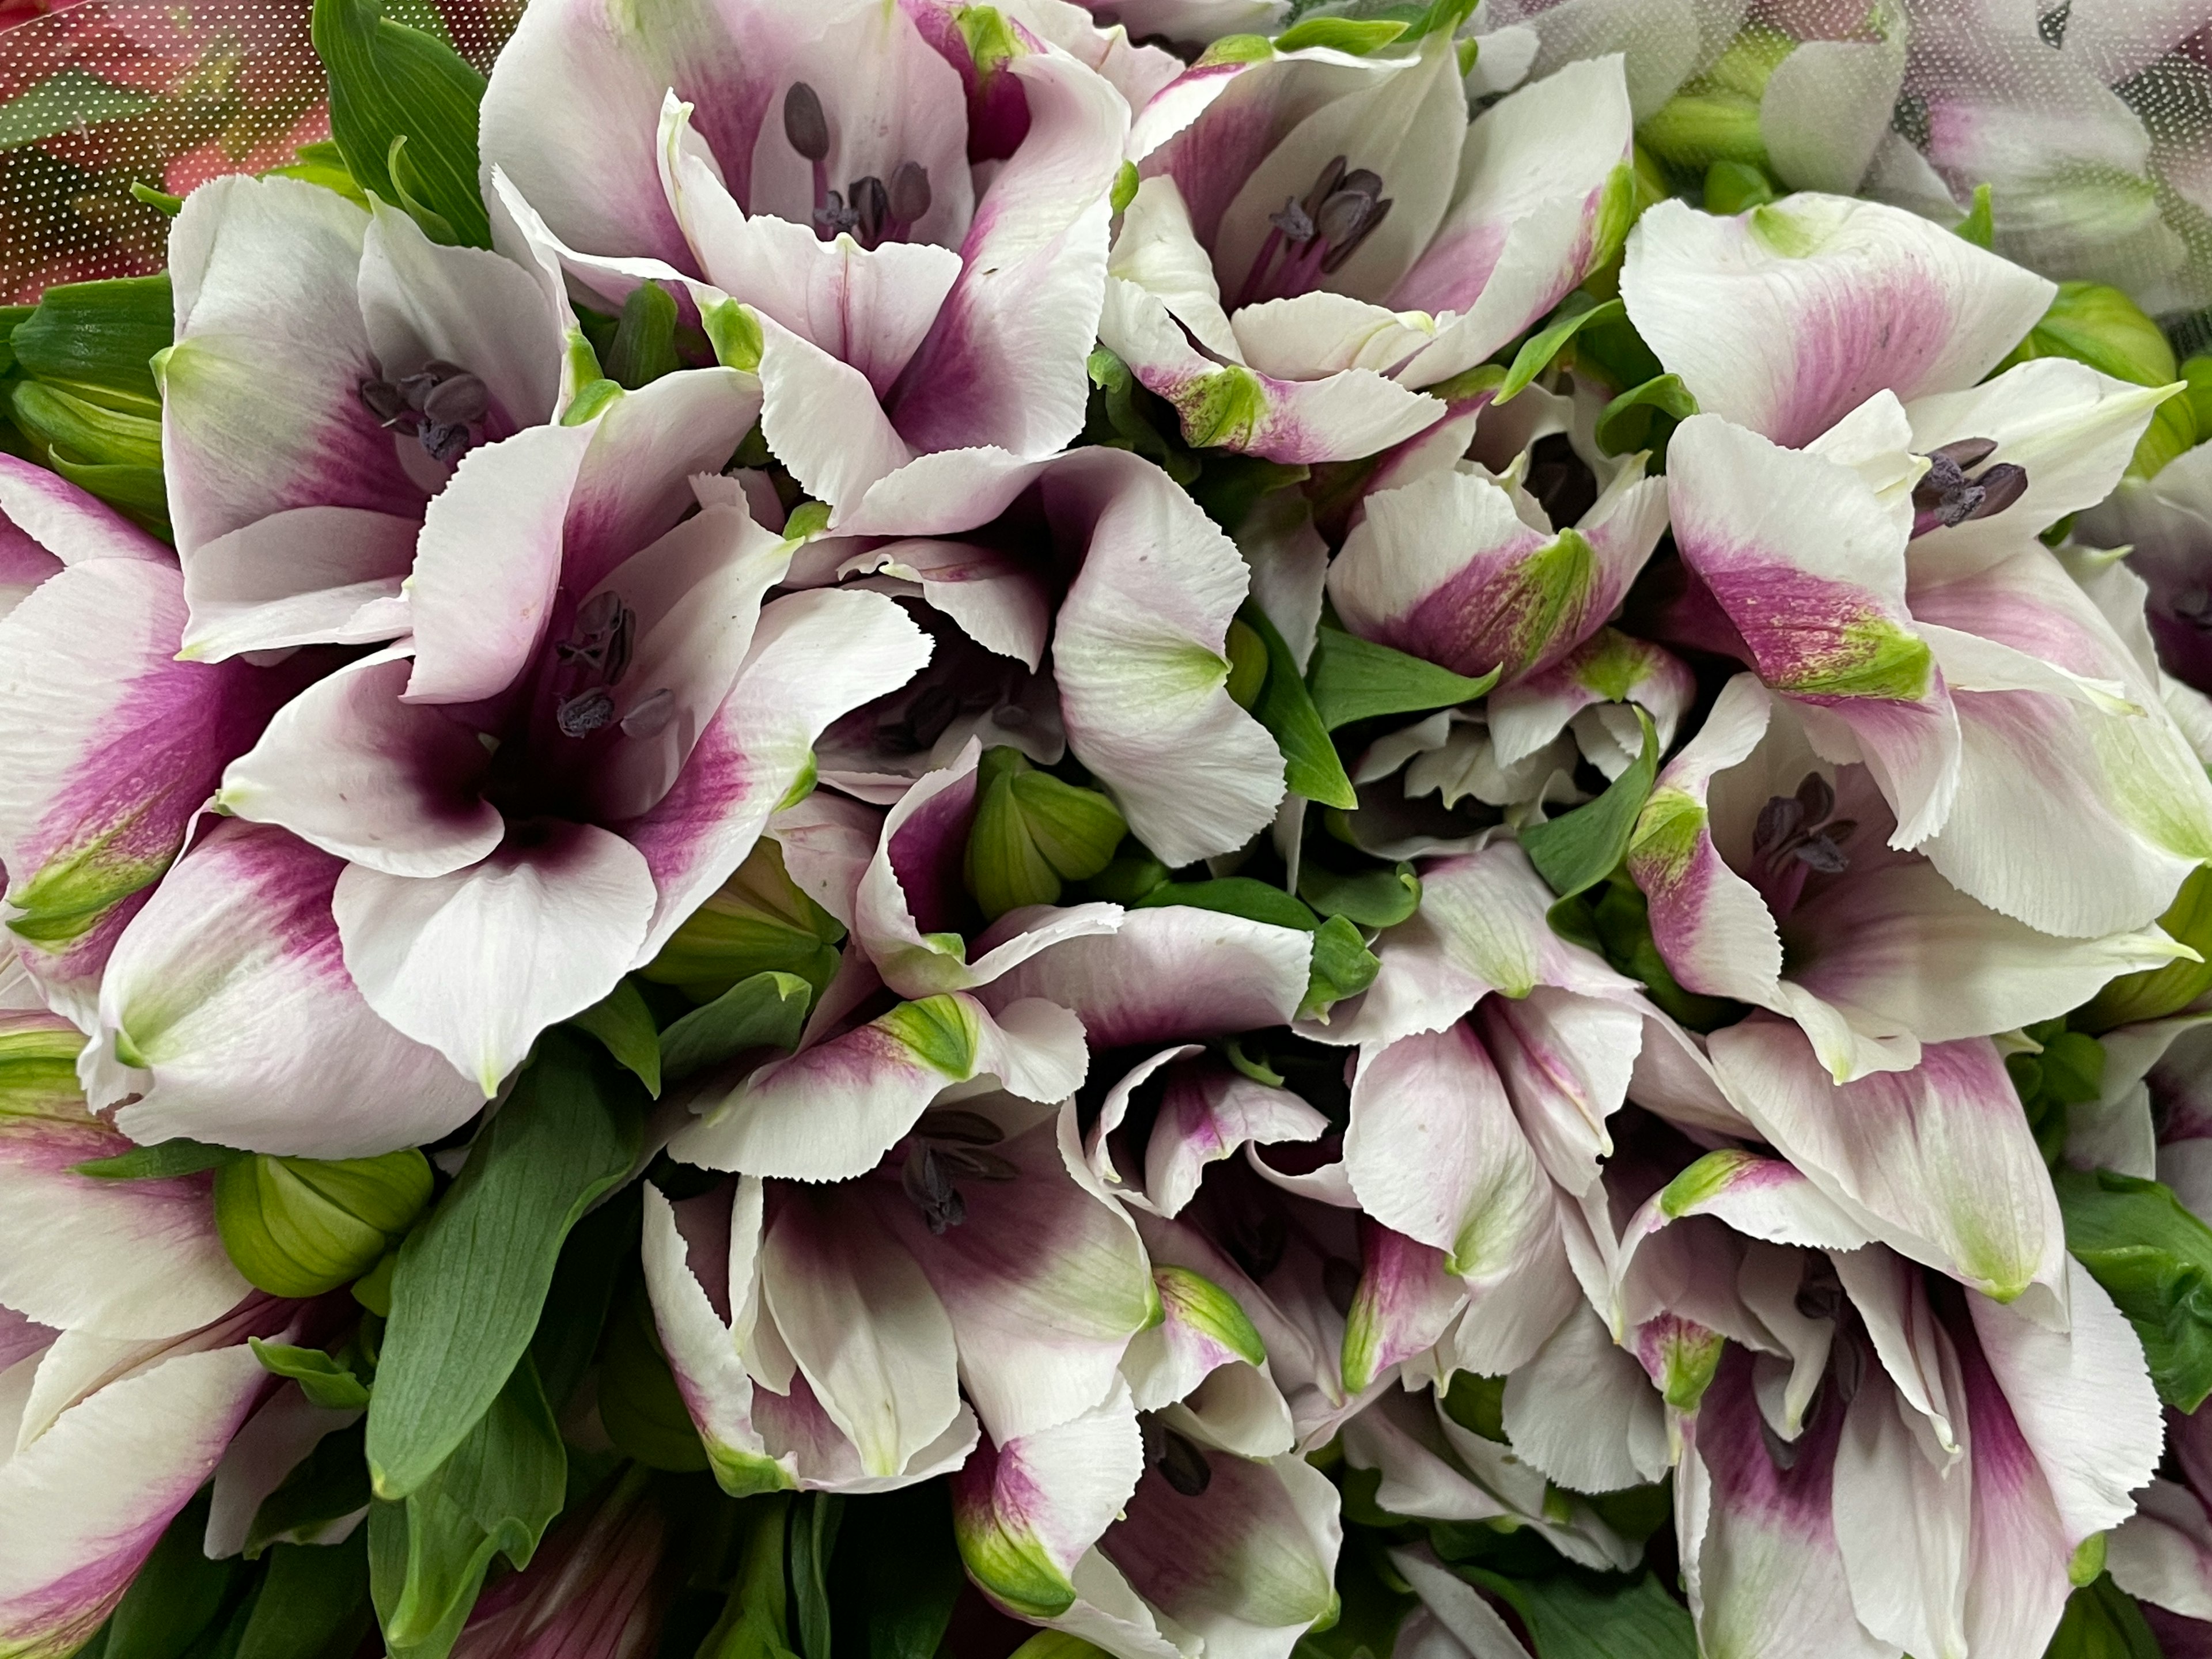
<point>1772,879</point>
<point>1465,569</point>
<point>331,367</point>
<point>112,746</point>
<point>824,1336</point>
<point>115,1439</point>
<point>1318,237</point>
<point>1156,1528</point>
<point>1141,586</point>
<point>1908,1401</point>
<point>594,716</point>
<point>918,231</point>
<point>2162,1553</point>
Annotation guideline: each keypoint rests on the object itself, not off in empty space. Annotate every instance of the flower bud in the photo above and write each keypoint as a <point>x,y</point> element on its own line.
<point>2133,998</point>
<point>299,1226</point>
<point>1715,116</point>
<point>757,921</point>
<point>1248,664</point>
<point>1032,832</point>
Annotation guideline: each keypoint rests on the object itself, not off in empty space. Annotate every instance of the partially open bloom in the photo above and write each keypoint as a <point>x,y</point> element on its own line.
<point>1318,237</point>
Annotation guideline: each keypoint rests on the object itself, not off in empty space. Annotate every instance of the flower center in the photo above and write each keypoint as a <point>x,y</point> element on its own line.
<point>1313,235</point>
<point>869,210</point>
<point>1953,492</point>
<point>1180,1461</point>
<point>948,1145</point>
<point>1795,836</point>
<point>441,403</point>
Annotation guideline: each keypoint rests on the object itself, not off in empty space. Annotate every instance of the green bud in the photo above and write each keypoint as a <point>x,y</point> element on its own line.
<point>2133,998</point>
<point>1732,186</point>
<point>1032,832</point>
<point>299,1226</point>
<point>1248,664</point>
<point>98,339</point>
<point>85,430</point>
<point>645,339</point>
<point>1715,116</point>
<point>1127,878</point>
<point>757,922</point>
<point>2197,373</point>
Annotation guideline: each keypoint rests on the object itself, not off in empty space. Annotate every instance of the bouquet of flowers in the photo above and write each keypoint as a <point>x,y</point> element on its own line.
<point>863,830</point>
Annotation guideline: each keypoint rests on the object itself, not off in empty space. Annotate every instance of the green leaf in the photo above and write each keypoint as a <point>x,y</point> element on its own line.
<point>470,1279</point>
<point>1645,417</point>
<point>639,1406</point>
<point>910,1569</point>
<point>813,1539</point>
<point>100,335</point>
<point>67,102</point>
<point>1343,967</point>
<point>1358,36</point>
<point>1979,226</point>
<point>159,1162</point>
<point>768,1010</point>
<point>91,433</point>
<point>495,1496</point>
<point>313,1603</point>
<point>1285,707</point>
<point>591,1266</point>
<point>1235,896</point>
<point>320,1377</point>
<point>624,1025</point>
<point>2101,1621</point>
<point>1578,849</point>
<point>177,1594</point>
<point>330,1483</point>
<point>753,1621</point>
<point>645,340</point>
<point>2154,1258</point>
<point>1570,1620</point>
<point>389,82</point>
<point>1372,898</point>
<point>1579,311</point>
<point>1355,679</point>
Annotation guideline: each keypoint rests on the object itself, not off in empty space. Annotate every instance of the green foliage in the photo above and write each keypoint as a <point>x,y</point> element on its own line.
<point>639,1406</point>
<point>623,1024</point>
<point>321,1378</point>
<point>68,102</point>
<point>1645,417</point>
<point>159,1162</point>
<point>1285,707</point>
<point>494,1495</point>
<point>1579,850</point>
<point>312,1602</point>
<point>814,1520</point>
<point>177,1594</point>
<point>81,390</point>
<point>1355,679</point>
<point>404,116</point>
<point>768,1010</point>
<point>471,1280</point>
<point>1369,897</point>
<point>2154,1258</point>
<point>1579,312</point>
<point>2101,1621</point>
<point>2069,1072</point>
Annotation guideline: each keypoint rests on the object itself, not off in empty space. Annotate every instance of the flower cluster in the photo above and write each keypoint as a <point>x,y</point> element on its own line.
<point>910,820</point>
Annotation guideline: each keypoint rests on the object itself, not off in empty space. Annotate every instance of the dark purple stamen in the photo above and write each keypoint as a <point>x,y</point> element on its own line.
<point>1796,837</point>
<point>1952,492</point>
<point>948,1145</point>
<point>441,403</point>
<point>1313,237</point>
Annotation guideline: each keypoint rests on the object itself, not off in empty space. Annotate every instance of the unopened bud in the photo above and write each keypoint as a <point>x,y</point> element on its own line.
<point>1032,831</point>
<point>299,1226</point>
<point>757,921</point>
<point>1715,116</point>
<point>1248,664</point>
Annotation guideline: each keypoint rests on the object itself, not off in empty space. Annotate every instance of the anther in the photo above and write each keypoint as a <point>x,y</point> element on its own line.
<point>650,717</point>
<point>584,713</point>
<point>804,124</point>
<point>909,194</point>
<point>1183,1465</point>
